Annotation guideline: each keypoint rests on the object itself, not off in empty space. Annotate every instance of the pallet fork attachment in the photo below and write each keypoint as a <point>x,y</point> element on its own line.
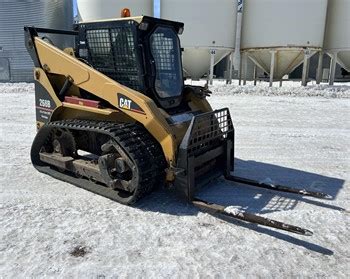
<point>215,130</point>
<point>252,218</point>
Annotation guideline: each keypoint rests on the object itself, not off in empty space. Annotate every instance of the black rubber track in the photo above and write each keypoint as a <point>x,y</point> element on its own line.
<point>143,150</point>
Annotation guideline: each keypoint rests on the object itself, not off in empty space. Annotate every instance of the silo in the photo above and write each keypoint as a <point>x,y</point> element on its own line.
<point>278,35</point>
<point>210,28</point>
<point>337,38</point>
<point>104,9</point>
<point>15,62</point>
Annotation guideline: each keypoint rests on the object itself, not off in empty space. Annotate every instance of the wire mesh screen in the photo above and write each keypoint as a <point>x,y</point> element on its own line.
<point>162,48</point>
<point>112,52</point>
<point>208,130</point>
<point>166,53</point>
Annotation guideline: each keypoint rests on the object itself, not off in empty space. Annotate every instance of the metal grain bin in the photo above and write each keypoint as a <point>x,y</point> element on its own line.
<point>277,33</point>
<point>210,27</point>
<point>15,63</point>
<point>337,38</point>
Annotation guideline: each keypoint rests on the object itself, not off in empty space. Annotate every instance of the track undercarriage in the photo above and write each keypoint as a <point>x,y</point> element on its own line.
<point>118,161</point>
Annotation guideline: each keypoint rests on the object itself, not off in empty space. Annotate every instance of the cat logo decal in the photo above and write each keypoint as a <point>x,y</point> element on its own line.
<point>128,104</point>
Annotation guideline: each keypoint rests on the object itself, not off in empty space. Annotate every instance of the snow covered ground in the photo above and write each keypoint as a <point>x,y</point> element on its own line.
<point>51,228</point>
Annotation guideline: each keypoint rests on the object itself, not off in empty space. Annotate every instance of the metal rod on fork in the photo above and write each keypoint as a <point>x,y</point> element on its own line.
<point>249,217</point>
<point>278,187</point>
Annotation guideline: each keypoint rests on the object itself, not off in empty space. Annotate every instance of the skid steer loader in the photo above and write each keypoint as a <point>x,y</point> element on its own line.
<point>114,116</point>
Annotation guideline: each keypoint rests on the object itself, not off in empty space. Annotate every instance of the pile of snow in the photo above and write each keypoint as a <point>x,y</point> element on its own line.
<point>289,88</point>
<point>21,87</point>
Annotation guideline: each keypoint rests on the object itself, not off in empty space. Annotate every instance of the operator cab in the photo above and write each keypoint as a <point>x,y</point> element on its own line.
<point>142,53</point>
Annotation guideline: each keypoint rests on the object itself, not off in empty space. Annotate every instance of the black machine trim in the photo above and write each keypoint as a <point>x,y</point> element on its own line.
<point>207,145</point>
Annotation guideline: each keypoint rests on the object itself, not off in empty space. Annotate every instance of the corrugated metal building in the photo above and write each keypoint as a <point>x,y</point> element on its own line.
<point>15,63</point>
